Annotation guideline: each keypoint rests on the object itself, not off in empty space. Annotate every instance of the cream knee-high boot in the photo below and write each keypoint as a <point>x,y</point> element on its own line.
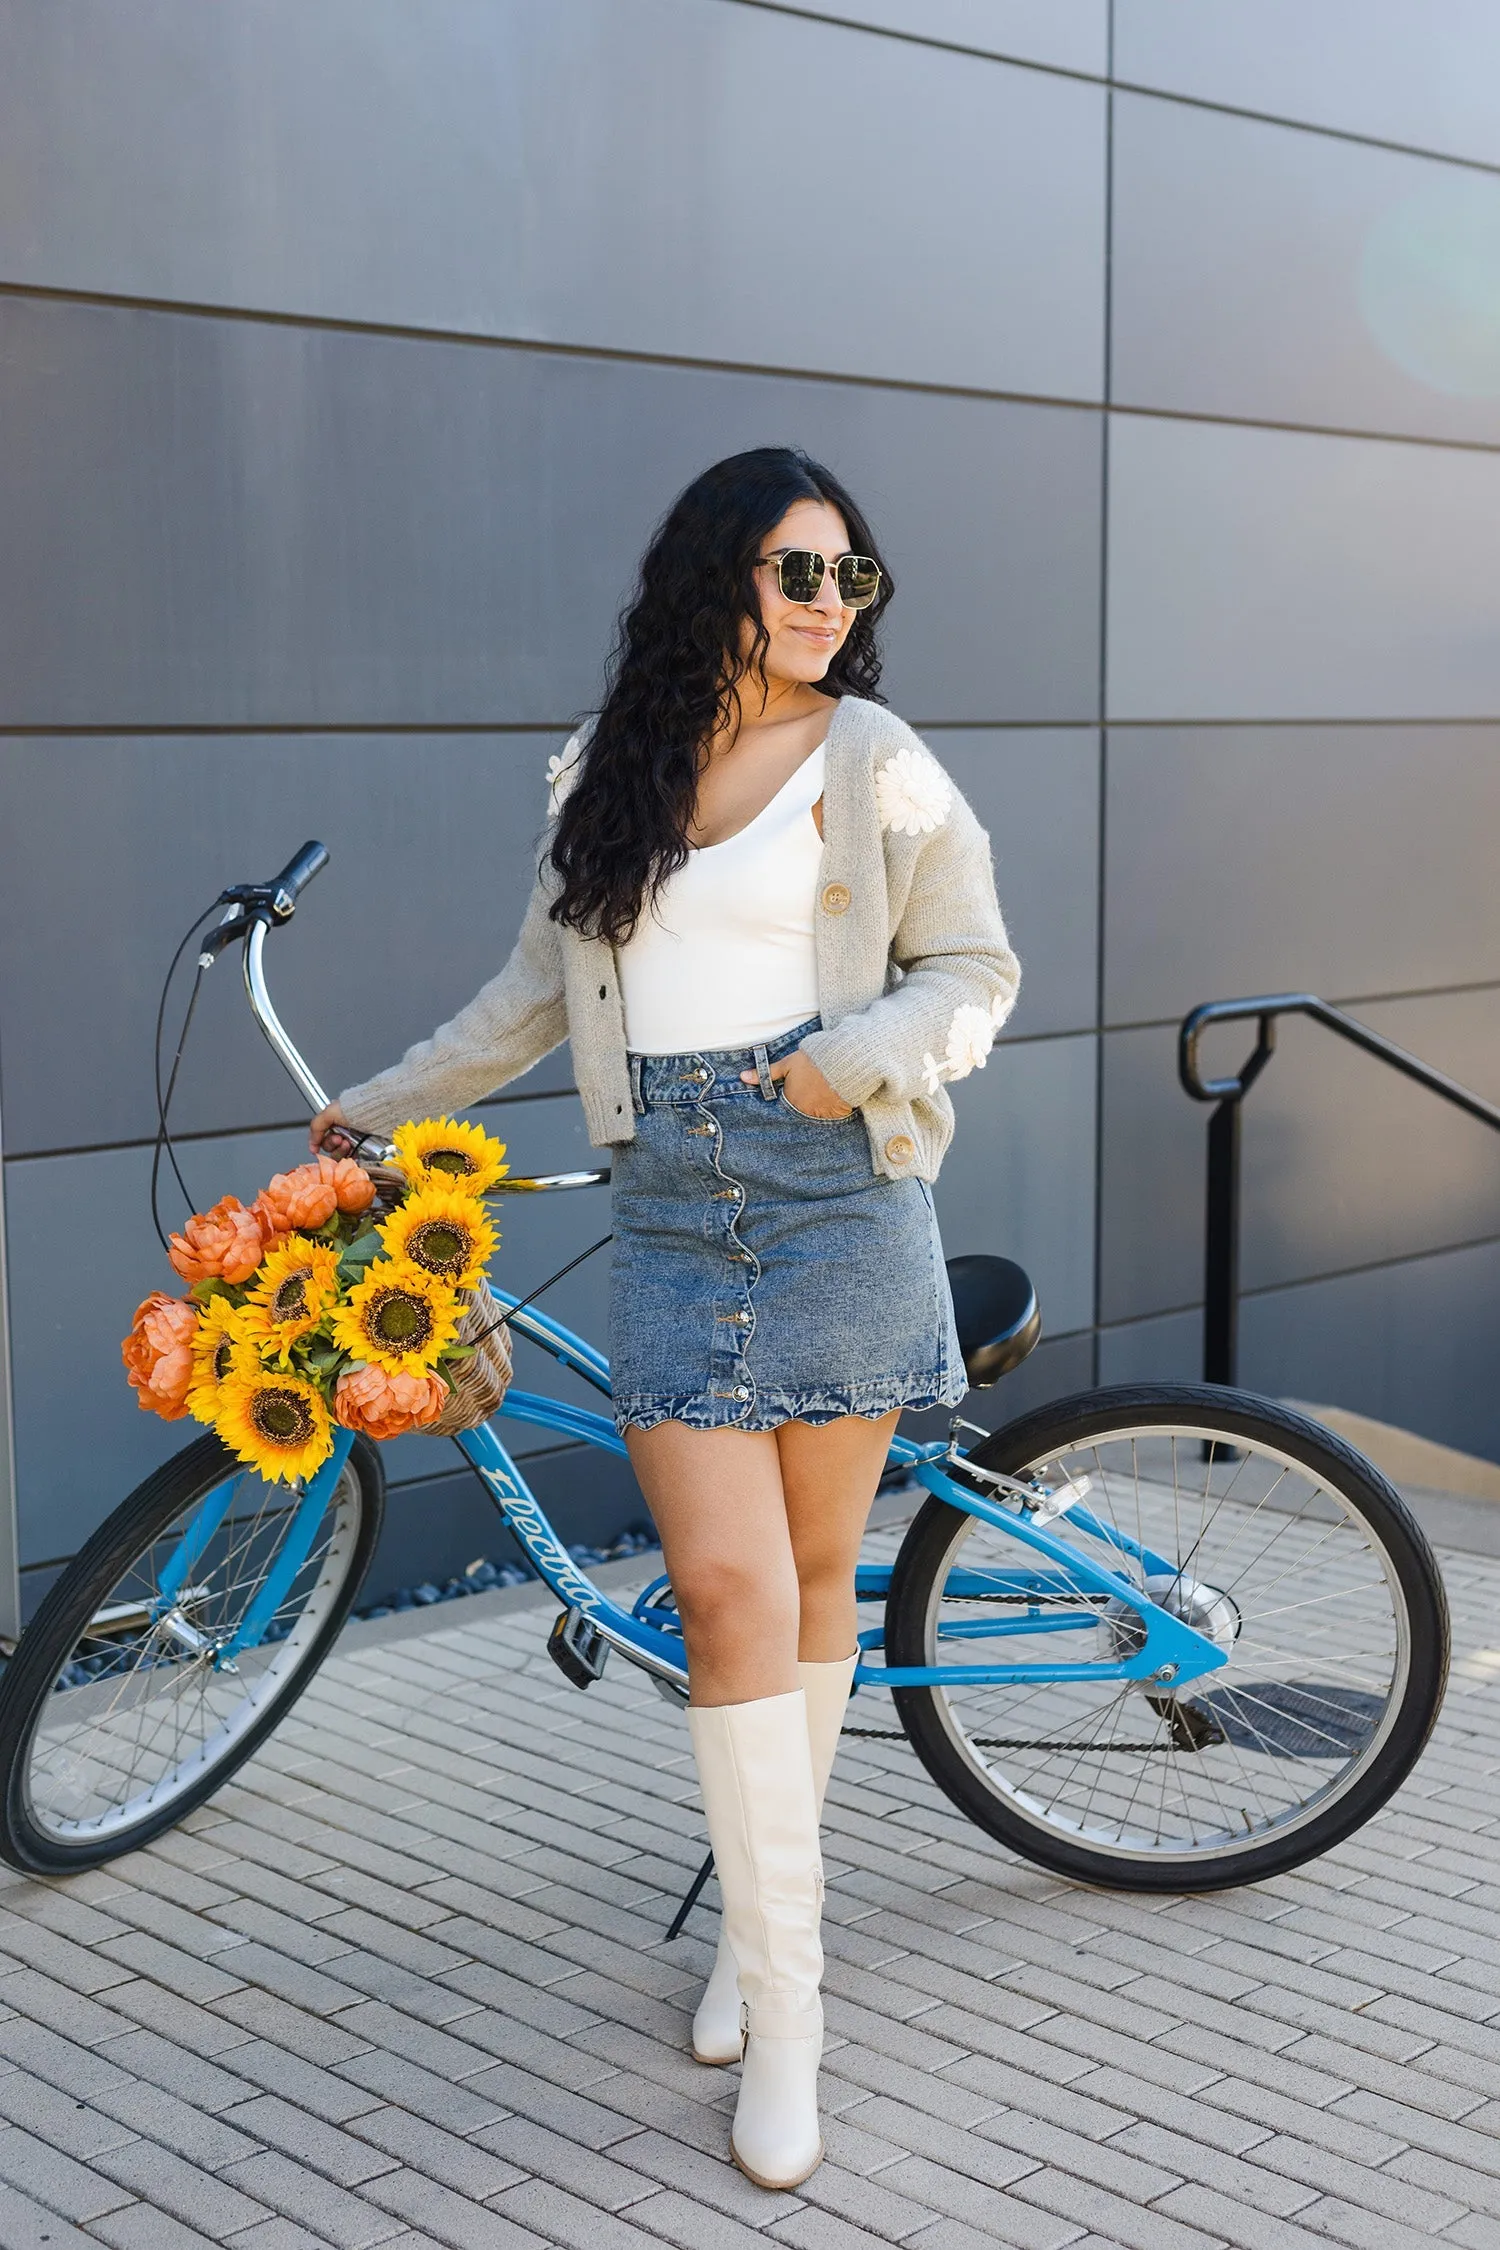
<point>755,1770</point>
<point>717,2035</point>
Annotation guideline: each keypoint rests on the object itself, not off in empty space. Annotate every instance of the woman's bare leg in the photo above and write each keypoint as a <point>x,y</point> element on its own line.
<point>716,1499</point>
<point>828,1479</point>
<point>760,1532</point>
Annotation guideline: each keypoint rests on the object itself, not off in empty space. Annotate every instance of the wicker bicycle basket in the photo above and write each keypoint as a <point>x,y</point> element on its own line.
<point>481,1382</point>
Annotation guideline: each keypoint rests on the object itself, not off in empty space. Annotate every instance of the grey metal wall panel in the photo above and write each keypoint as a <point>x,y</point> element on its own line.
<point>1415,1344</point>
<point>229,522</point>
<point>112,846</point>
<point>1019,1179</point>
<point>1276,275</point>
<point>1168,1349</point>
<point>1071,37</point>
<point>583,173</point>
<point>1335,860</point>
<point>81,1441</point>
<point>1281,575</point>
<point>1394,69</point>
<point>1037,792</point>
<point>1345,1163</point>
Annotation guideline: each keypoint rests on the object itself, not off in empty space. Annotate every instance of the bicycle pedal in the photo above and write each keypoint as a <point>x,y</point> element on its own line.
<point>577,1647</point>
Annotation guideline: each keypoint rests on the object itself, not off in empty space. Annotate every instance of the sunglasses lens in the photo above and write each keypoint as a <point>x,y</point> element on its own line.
<point>858,580</point>
<point>801,574</point>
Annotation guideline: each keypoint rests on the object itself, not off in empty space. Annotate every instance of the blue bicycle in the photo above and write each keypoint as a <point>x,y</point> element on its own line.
<point>1163,1637</point>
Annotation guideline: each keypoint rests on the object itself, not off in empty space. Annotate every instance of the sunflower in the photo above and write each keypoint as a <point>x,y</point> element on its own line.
<point>398,1318</point>
<point>276,1423</point>
<point>219,1349</point>
<point>443,1232</point>
<point>297,1289</point>
<point>439,1153</point>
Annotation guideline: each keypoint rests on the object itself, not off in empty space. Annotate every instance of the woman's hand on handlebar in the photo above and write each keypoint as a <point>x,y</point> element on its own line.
<point>325,1121</point>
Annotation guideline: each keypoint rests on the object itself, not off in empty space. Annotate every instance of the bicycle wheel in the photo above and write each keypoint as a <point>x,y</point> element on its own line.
<point>115,1718</point>
<point>1286,1547</point>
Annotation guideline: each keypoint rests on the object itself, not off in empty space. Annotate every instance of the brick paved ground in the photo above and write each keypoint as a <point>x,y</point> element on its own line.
<point>405,1984</point>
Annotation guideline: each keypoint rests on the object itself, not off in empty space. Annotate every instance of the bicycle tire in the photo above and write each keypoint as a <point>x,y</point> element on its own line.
<point>1356,1497</point>
<point>48,1647</point>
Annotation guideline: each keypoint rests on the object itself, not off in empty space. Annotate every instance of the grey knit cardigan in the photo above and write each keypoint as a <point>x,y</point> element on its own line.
<point>915,975</point>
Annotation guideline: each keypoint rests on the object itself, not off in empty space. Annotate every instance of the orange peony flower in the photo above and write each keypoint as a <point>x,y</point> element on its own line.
<point>387,1406</point>
<point>352,1184</point>
<point>158,1354</point>
<point>223,1244</point>
<point>300,1202</point>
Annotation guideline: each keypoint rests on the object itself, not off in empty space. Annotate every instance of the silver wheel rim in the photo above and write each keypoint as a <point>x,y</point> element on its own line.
<point>112,1751</point>
<point>1305,1704</point>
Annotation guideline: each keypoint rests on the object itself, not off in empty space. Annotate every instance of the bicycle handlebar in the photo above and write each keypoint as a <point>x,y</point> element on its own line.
<point>294,878</point>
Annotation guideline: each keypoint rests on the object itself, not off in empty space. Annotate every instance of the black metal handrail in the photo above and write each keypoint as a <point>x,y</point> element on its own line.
<point>1221,1234</point>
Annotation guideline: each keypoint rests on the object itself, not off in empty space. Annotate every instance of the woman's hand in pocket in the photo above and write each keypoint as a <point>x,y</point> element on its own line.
<point>805,1087</point>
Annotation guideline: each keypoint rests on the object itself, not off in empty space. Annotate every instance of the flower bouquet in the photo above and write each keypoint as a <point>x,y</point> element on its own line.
<point>321,1304</point>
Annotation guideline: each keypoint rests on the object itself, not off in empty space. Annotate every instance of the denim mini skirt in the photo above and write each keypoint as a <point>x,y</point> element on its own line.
<point>763,1272</point>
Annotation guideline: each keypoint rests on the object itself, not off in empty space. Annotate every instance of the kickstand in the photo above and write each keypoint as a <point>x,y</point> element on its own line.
<point>691,1898</point>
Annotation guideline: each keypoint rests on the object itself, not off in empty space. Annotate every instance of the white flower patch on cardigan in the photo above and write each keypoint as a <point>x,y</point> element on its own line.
<point>912,793</point>
<point>562,772</point>
<point>971,1035</point>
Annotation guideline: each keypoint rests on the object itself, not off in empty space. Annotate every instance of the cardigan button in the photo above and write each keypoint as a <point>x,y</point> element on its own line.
<point>835,898</point>
<point>900,1148</point>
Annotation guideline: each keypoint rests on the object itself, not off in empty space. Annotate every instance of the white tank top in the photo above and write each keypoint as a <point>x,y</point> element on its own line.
<point>727,959</point>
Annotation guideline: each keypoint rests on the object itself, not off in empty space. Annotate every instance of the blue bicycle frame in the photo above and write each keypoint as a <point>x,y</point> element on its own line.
<point>649,1634</point>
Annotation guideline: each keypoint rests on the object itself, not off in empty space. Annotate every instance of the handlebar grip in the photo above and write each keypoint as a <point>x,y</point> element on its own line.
<point>296,875</point>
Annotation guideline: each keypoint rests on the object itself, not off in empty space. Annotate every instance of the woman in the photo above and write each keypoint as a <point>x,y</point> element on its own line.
<point>767,922</point>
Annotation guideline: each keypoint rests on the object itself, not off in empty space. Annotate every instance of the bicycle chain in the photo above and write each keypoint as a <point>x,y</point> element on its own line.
<point>1001,1742</point>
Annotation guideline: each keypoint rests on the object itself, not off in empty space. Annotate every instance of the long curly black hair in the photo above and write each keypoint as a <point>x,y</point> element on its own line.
<point>674,678</point>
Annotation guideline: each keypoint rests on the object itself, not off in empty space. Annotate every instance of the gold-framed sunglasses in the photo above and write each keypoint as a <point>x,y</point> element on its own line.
<point>801,572</point>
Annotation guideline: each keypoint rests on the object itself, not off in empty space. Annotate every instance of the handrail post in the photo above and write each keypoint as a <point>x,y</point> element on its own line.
<point>1221,1239</point>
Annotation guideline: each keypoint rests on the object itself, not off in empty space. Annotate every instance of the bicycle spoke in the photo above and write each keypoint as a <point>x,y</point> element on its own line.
<point>133,1714</point>
<point>1267,1561</point>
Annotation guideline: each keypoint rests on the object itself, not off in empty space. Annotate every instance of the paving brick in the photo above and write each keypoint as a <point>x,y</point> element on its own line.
<point>463,2165</point>
<point>610,2181</point>
<point>308,2085</point>
<point>160,2116</point>
<point>335,2216</point>
<point>52,2177</point>
<point>463,2108</point>
<point>285,2234</point>
<point>26,2225</point>
<point>454,2220</point>
<point>256,2013</point>
<point>190,1931</point>
<point>1096,2208</point>
<point>556,2216</point>
<point>311,1943</point>
<point>143,2226</point>
<point>203,2030</point>
<point>61,2062</point>
<point>206,2085</point>
<point>313,1989</point>
<point>170,2183</point>
<point>590,2122</point>
<point>311,2140</point>
<point>669,2217</point>
<point>70,2013</point>
<point>60,2119</point>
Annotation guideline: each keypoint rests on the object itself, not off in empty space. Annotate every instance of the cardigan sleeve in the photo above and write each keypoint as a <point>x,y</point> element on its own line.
<point>958,979</point>
<point>516,1018</point>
